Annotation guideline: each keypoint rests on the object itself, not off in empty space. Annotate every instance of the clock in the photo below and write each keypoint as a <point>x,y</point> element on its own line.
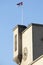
<point>25,53</point>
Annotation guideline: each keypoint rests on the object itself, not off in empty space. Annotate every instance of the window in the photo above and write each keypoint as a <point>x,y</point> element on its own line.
<point>15,42</point>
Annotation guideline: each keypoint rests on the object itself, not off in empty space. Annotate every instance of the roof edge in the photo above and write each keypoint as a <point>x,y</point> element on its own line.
<point>32,24</point>
<point>36,60</point>
<point>19,26</point>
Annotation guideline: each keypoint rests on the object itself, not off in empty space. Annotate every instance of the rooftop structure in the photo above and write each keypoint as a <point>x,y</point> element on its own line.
<point>28,43</point>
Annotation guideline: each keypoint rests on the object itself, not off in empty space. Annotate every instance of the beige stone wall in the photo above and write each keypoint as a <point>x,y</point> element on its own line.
<point>37,41</point>
<point>18,53</point>
<point>27,43</point>
<point>15,53</point>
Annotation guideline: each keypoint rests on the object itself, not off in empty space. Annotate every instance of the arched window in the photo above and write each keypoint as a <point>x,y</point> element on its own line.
<point>15,42</point>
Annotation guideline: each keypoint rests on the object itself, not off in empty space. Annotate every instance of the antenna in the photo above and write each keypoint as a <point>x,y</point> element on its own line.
<point>21,4</point>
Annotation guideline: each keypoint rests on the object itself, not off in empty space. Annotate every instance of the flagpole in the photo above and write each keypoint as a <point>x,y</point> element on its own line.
<point>22,15</point>
<point>21,4</point>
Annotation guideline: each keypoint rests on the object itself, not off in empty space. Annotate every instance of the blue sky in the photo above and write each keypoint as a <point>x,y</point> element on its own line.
<point>10,16</point>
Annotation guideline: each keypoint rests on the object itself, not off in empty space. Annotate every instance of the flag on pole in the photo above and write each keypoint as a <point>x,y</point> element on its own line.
<point>20,3</point>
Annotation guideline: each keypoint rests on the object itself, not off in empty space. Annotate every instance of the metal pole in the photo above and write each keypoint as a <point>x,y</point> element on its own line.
<point>22,15</point>
<point>21,4</point>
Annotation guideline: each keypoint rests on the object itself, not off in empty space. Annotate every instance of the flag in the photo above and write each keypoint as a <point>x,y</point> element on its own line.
<point>20,4</point>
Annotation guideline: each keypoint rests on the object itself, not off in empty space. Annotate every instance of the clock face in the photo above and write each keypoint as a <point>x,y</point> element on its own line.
<point>25,52</point>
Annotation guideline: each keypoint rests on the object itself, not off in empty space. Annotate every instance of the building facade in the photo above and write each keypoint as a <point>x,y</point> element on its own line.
<point>28,44</point>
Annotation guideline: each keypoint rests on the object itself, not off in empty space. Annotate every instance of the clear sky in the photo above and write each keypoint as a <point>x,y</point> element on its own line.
<point>10,16</point>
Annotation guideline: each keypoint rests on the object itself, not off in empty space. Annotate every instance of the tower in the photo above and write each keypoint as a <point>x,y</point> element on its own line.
<point>17,49</point>
<point>29,43</point>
